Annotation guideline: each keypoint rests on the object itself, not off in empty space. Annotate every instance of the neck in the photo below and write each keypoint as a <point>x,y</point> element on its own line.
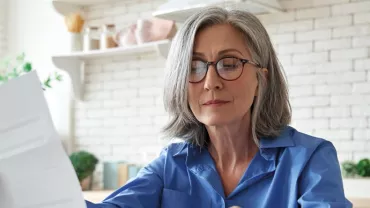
<point>231,145</point>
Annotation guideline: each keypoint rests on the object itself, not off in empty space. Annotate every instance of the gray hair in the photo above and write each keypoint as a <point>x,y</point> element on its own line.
<point>271,110</point>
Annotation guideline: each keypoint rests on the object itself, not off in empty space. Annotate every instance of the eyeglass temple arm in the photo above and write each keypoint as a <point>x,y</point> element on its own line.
<point>251,62</point>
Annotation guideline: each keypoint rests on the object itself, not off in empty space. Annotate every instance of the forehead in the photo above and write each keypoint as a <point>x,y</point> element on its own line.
<point>215,38</point>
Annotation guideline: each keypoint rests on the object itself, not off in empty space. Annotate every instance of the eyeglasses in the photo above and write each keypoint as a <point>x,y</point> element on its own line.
<point>228,68</point>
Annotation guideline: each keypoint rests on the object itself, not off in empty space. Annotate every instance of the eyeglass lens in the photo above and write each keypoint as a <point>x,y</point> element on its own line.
<point>227,68</point>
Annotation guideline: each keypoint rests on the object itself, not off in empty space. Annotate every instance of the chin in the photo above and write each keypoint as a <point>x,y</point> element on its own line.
<point>215,120</point>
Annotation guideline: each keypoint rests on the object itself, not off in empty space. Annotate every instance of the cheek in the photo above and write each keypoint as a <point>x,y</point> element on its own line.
<point>245,92</point>
<point>193,96</point>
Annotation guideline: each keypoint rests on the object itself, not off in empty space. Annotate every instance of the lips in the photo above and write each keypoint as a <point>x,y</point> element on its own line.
<point>215,102</point>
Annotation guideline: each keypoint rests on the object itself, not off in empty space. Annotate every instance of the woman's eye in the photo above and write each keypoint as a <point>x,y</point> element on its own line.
<point>197,66</point>
<point>229,65</point>
<point>196,70</point>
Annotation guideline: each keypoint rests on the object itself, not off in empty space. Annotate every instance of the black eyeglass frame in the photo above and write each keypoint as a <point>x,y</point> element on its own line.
<point>214,63</point>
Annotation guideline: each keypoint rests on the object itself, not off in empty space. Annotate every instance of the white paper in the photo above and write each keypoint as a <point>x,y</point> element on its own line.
<point>35,171</point>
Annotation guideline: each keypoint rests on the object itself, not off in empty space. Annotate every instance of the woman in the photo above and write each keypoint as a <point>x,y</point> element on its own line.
<point>228,99</point>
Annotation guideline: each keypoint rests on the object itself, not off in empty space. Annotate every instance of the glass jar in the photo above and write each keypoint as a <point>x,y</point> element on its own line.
<point>139,32</point>
<point>91,39</point>
<point>107,36</point>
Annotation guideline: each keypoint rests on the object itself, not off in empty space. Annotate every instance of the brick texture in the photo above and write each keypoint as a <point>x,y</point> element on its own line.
<point>313,13</point>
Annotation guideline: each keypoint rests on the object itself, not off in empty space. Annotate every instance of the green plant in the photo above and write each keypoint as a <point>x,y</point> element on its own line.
<point>359,169</point>
<point>363,168</point>
<point>15,67</point>
<point>349,169</point>
<point>84,163</point>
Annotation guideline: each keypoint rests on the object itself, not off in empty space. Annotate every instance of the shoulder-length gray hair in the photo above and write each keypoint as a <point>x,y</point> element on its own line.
<point>271,110</point>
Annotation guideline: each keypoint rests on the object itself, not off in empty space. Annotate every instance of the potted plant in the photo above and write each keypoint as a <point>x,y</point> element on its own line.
<point>84,164</point>
<point>357,178</point>
<point>14,67</point>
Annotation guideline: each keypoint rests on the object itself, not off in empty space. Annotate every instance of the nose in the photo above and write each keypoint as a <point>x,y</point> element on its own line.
<point>212,80</point>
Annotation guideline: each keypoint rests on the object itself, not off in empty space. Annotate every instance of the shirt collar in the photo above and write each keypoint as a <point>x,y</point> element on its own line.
<point>269,145</point>
<point>283,140</point>
<point>181,149</point>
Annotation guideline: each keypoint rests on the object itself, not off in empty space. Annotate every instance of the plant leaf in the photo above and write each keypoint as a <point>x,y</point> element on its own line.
<point>59,77</point>
<point>349,168</point>
<point>27,67</point>
<point>21,57</point>
<point>47,82</point>
<point>363,167</point>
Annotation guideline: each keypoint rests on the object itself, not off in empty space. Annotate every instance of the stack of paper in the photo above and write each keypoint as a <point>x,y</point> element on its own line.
<point>35,171</point>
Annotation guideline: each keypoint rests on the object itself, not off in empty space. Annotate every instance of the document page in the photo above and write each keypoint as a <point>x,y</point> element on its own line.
<point>35,171</point>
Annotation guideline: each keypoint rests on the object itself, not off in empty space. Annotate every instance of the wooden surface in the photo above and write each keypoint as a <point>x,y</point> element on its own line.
<point>98,196</point>
<point>360,203</point>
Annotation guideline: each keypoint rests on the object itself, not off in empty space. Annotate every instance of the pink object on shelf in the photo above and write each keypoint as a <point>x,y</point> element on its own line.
<point>146,30</point>
<point>126,37</point>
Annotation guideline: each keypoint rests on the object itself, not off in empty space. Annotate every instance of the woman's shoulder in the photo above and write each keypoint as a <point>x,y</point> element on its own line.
<point>303,143</point>
<point>292,138</point>
<point>307,141</point>
<point>297,143</point>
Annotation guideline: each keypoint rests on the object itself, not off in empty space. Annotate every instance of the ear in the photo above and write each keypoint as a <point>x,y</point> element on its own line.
<point>265,72</point>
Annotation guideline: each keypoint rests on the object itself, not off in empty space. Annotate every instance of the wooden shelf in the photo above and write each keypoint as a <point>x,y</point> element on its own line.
<point>84,2</point>
<point>74,63</point>
<point>161,47</point>
<point>181,10</point>
<point>64,7</point>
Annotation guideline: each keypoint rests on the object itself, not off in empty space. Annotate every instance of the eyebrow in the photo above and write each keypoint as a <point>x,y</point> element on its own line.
<point>220,53</point>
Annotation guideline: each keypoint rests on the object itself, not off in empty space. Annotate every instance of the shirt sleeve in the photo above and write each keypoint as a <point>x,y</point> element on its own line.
<point>320,183</point>
<point>145,190</point>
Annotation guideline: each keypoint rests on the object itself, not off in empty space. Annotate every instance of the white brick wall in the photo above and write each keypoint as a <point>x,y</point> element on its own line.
<point>312,13</point>
<point>325,52</point>
<point>351,8</point>
<point>362,18</point>
<point>332,22</point>
<point>326,45</point>
<point>3,26</point>
<point>122,111</point>
<point>351,31</point>
<point>323,34</point>
<point>322,44</point>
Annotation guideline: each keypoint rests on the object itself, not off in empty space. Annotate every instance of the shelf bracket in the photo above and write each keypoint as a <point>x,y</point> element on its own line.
<point>76,70</point>
<point>162,49</point>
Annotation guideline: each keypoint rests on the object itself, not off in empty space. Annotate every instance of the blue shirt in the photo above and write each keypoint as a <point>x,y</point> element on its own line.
<point>292,170</point>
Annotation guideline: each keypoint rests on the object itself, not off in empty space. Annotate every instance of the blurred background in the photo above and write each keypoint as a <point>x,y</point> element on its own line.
<point>108,108</point>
